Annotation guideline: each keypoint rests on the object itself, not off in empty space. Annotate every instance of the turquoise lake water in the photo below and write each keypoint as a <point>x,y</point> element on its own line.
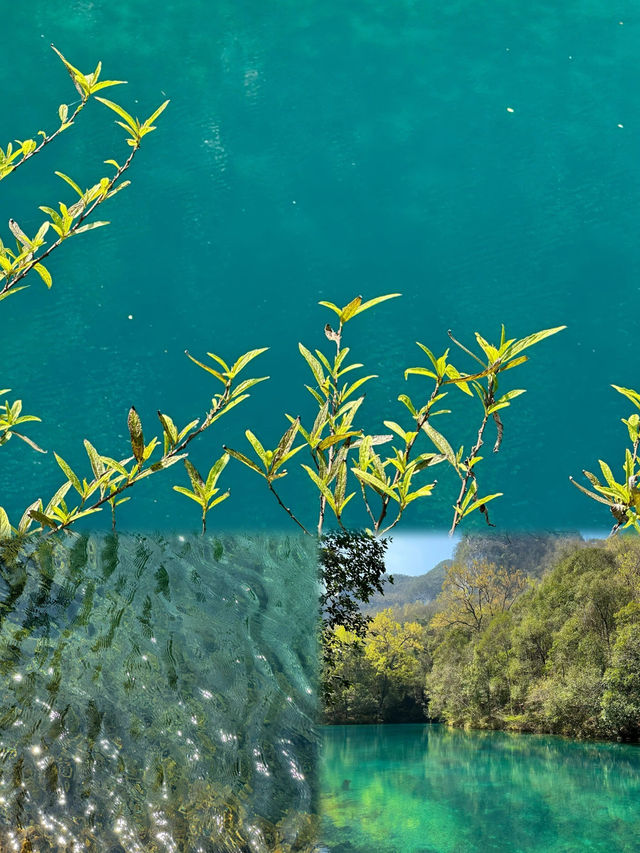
<point>317,151</point>
<point>158,695</point>
<point>427,789</point>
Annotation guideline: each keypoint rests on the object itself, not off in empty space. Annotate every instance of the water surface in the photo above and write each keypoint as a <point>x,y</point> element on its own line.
<point>317,150</point>
<point>157,695</point>
<point>429,789</point>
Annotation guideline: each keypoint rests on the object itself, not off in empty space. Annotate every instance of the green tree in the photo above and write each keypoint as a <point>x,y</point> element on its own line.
<point>378,678</point>
<point>473,594</point>
<point>621,697</point>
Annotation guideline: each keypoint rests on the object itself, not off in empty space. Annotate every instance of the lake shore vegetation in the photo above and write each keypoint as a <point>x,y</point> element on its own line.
<point>498,649</point>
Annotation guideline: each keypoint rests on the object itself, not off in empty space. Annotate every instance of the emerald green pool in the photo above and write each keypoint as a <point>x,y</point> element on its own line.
<point>429,789</point>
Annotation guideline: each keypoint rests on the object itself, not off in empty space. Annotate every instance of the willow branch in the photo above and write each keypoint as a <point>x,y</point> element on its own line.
<point>47,139</point>
<point>10,283</point>
<point>286,509</point>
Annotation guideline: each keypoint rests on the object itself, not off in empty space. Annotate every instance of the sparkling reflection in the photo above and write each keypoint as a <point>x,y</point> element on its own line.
<point>157,695</point>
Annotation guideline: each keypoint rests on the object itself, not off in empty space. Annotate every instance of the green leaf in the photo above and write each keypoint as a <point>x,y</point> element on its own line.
<point>166,462</point>
<point>122,113</point>
<point>197,498</point>
<point>286,443</point>
<point>333,307</point>
<point>392,425</point>
<point>71,183</point>
<point>608,475</point>
<point>170,429</point>
<point>244,360</point>
<point>44,274</point>
<point>43,518</point>
<point>69,474</point>
<point>90,226</point>
<point>350,310</point>
<point>348,391</point>
<point>194,475</point>
<point>376,484</point>
<point>28,441</point>
<point>530,340</point>
<point>155,115</point>
<point>629,394</point>
<point>218,500</point>
<point>246,384</point>
<point>420,371</point>
<point>589,493</point>
<point>322,486</point>
<point>97,465</point>
<point>479,502</point>
<point>403,398</point>
<point>57,498</point>
<point>5,526</point>
<point>214,473</point>
<point>135,431</point>
<point>186,429</point>
<point>78,78</point>
<point>210,370</point>
<point>458,379</point>
<point>313,363</point>
<point>490,351</point>
<point>257,446</point>
<point>441,443</point>
<point>116,466</point>
<point>422,492</point>
<point>18,233</point>
<point>244,459</point>
<point>26,520</point>
<point>370,304</point>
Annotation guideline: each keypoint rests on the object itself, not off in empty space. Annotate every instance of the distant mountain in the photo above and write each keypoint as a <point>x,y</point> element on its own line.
<point>407,589</point>
<point>531,553</point>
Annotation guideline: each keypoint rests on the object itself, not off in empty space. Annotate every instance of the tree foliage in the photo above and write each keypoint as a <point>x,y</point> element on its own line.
<point>559,653</point>
<point>560,658</point>
<point>378,677</point>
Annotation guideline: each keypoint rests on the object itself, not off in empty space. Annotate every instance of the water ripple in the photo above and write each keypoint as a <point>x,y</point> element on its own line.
<point>158,695</point>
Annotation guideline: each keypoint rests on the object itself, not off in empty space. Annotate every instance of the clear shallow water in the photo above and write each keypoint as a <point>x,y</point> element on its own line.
<point>427,789</point>
<point>158,695</point>
<point>315,151</point>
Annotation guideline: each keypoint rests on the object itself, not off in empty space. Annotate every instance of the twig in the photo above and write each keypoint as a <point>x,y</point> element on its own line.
<point>10,283</point>
<point>287,510</point>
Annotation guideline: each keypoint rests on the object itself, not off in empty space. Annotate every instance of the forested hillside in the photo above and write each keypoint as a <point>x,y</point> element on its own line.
<point>407,589</point>
<point>500,648</point>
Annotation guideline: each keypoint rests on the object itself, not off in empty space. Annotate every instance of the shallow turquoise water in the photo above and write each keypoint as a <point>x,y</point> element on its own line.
<point>158,695</point>
<point>427,789</point>
<point>319,150</point>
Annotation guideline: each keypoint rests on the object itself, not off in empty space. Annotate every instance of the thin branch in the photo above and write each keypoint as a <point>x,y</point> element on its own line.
<point>142,473</point>
<point>287,510</point>
<point>422,420</point>
<point>463,347</point>
<point>47,139</point>
<point>469,475</point>
<point>10,283</point>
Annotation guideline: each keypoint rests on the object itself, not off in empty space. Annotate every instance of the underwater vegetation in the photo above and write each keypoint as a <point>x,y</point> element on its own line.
<point>158,694</point>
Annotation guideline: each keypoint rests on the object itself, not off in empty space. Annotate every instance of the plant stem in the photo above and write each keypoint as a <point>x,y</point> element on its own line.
<point>10,283</point>
<point>47,139</point>
<point>287,510</point>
